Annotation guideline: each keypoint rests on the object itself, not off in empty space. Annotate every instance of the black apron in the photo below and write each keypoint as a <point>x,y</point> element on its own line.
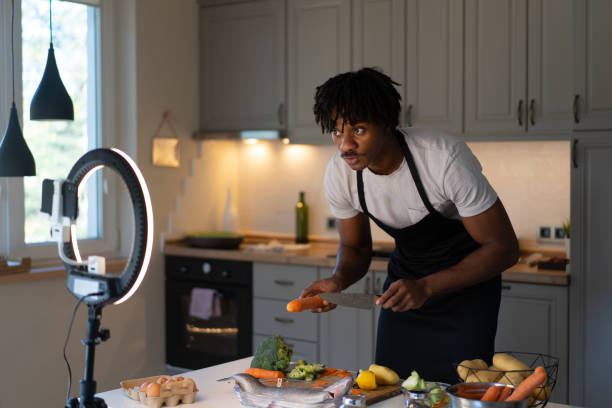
<point>448,328</point>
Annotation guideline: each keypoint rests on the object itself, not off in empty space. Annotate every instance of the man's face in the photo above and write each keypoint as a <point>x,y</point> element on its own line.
<point>360,144</point>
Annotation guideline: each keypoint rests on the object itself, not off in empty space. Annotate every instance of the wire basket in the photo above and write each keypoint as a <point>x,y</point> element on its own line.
<point>540,396</point>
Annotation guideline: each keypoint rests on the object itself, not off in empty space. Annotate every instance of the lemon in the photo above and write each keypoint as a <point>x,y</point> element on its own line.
<point>366,380</point>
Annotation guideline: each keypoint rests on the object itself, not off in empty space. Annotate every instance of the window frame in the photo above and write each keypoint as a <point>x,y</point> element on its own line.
<point>12,212</point>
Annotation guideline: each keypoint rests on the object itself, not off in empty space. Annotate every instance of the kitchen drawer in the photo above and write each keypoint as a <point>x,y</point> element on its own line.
<point>285,282</point>
<point>302,350</point>
<point>270,317</point>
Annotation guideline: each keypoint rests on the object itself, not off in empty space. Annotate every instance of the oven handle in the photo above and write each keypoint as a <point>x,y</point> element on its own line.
<point>283,282</point>
<point>284,320</point>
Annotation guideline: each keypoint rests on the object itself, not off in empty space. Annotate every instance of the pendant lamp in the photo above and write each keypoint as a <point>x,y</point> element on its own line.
<point>16,159</point>
<point>51,100</point>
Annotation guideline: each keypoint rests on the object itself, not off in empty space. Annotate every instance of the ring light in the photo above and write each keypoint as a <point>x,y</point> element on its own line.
<point>87,280</point>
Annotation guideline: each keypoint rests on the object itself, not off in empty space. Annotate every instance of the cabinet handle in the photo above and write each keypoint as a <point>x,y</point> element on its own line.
<point>283,320</point>
<point>532,112</point>
<point>367,286</point>
<point>506,287</point>
<point>576,118</point>
<point>520,112</point>
<point>283,282</point>
<point>574,158</point>
<point>409,116</point>
<point>280,113</point>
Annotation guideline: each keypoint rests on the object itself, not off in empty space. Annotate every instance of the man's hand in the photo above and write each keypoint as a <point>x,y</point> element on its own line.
<point>404,294</point>
<point>322,286</point>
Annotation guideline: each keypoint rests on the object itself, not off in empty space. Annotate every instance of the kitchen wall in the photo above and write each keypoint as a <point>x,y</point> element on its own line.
<point>155,61</point>
<point>531,178</point>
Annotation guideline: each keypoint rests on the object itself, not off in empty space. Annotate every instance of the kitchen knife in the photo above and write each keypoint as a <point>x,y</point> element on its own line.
<point>358,300</point>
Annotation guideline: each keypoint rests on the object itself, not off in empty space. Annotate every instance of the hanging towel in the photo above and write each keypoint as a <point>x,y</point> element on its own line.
<point>205,303</point>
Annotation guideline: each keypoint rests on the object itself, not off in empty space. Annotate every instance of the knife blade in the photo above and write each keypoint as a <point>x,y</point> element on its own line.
<point>358,300</point>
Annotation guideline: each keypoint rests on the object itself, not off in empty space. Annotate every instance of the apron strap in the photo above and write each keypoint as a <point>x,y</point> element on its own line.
<point>415,173</point>
<point>360,192</point>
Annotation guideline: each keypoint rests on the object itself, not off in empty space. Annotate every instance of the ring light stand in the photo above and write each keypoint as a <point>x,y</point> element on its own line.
<point>87,280</point>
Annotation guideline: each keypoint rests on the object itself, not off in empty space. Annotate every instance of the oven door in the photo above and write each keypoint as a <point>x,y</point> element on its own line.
<point>223,333</point>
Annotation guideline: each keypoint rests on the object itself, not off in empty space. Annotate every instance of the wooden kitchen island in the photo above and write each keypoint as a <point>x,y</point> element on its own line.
<point>215,394</point>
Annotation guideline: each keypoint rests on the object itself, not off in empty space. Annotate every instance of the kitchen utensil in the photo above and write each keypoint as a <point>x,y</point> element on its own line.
<point>358,300</point>
<point>215,239</point>
<point>479,389</point>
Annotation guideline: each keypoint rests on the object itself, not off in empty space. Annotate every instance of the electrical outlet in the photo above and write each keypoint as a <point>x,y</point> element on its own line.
<point>330,223</point>
<point>545,232</point>
<point>559,232</point>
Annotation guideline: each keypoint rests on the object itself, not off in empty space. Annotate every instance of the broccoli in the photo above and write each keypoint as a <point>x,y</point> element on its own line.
<point>305,371</point>
<point>272,353</point>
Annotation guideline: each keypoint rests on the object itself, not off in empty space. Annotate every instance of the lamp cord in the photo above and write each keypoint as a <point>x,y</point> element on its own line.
<point>13,47</point>
<point>68,336</point>
<point>50,25</point>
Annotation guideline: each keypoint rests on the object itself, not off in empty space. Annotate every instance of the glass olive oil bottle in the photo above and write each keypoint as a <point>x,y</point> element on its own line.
<point>301,219</point>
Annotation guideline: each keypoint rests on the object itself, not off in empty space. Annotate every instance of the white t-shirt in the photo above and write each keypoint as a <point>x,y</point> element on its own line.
<point>450,173</point>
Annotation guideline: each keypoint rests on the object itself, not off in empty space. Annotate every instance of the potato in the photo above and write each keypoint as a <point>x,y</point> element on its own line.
<point>541,394</point>
<point>511,378</point>
<point>487,375</point>
<point>466,367</point>
<point>506,362</point>
<point>384,375</point>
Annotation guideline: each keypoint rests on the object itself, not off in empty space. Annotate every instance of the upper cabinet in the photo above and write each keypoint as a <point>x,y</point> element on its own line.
<point>242,66</point>
<point>592,63</point>
<point>479,69</point>
<point>518,68</point>
<point>419,43</point>
<point>319,39</point>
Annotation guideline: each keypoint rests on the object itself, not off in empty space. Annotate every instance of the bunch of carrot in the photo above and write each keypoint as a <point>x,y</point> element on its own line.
<point>521,392</point>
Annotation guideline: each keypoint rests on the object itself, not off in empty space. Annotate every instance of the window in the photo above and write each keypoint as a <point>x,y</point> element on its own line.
<point>56,145</point>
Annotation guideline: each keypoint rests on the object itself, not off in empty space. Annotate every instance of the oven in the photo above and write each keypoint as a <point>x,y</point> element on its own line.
<point>209,305</point>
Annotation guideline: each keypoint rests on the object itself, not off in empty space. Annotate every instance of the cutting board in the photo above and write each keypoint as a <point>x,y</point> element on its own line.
<point>382,392</point>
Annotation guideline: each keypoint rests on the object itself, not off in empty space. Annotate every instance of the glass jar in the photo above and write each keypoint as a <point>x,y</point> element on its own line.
<point>353,401</point>
<point>416,399</point>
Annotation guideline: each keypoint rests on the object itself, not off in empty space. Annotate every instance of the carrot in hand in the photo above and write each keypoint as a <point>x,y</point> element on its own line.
<point>312,302</point>
<point>526,387</point>
<point>261,373</point>
<point>492,393</point>
<point>505,393</point>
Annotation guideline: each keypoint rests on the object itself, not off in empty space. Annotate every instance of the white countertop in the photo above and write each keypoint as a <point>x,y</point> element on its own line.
<point>215,394</point>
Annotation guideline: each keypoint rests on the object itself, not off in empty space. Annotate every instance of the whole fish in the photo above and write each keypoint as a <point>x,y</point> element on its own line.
<point>289,397</point>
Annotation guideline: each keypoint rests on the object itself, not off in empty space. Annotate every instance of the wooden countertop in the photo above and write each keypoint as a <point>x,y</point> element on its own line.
<point>323,254</point>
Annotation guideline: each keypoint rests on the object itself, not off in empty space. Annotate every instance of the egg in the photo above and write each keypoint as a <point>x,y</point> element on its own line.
<point>179,378</point>
<point>144,386</point>
<point>162,380</point>
<point>154,390</point>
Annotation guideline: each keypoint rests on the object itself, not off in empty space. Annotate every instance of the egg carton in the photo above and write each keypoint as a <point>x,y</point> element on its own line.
<point>172,391</point>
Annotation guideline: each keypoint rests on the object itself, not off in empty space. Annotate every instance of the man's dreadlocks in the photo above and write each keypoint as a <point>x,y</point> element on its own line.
<point>367,95</point>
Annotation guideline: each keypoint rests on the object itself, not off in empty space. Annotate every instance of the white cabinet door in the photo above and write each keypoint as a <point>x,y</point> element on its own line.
<point>242,60</point>
<point>319,39</point>
<point>496,67</point>
<point>533,319</point>
<point>550,66</point>
<point>347,334</point>
<point>591,260</point>
<point>434,65</point>
<point>592,62</point>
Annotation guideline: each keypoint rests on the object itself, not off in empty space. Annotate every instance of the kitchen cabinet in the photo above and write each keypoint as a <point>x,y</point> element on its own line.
<point>518,59</point>
<point>347,335</point>
<point>590,329</point>
<point>319,44</point>
<point>592,62</point>
<point>242,66</point>
<point>274,285</point>
<point>534,319</point>
<point>419,43</point>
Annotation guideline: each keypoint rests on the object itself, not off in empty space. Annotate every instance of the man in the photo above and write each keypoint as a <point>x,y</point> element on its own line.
<point>452,235</point>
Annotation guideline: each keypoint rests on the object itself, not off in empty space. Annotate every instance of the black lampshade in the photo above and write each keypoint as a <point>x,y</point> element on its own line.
<point>51,100</point>
<point>16,159</point>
